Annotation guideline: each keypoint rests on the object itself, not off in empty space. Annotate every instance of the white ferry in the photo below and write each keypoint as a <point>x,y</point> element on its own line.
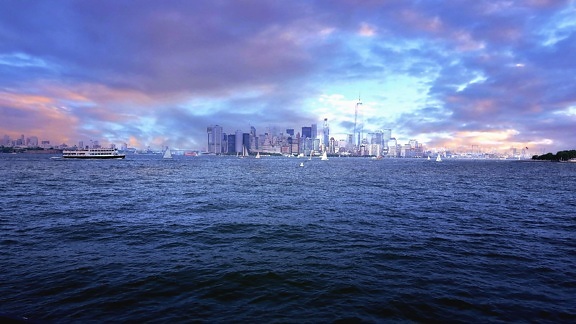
<point>93,153</point>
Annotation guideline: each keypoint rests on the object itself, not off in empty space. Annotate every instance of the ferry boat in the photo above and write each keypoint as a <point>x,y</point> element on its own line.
<point>93,153</point>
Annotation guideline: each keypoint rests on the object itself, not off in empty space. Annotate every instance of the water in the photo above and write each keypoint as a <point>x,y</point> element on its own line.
<point>222,239</point>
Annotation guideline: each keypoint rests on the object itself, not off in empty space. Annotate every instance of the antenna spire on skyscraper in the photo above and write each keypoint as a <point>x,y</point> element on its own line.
<point>356,121</point>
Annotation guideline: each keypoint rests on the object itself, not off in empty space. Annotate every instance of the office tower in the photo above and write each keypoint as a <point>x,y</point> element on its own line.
<point>376,137</point>
<point>306,132</point>
<point>253,139</point>
<point>350,142</point>
<point>246,141</point>
<point>290,131</point>
<point>393,147</point>
<point>224,143</point>
<point>214,139</point>
<point>326,132</point>
<point>232,143</point>
<point>356,128</point>
<point>238,142</point>
<point>314,131</point>
<point>386,136</point>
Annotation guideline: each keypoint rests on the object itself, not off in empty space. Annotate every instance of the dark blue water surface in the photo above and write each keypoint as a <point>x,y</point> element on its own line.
<point>222,239</point>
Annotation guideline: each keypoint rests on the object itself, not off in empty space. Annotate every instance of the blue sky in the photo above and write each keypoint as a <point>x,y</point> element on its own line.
<point>494,74</point>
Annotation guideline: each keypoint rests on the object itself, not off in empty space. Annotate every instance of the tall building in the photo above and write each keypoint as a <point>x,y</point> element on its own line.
<point>376,137</point>
<point>253,139</point>
<point>224,143</point>
<point>314,131</point>
<point>386,136</point>
<point>214,139</point>
<point>326,133</point>
<point>393,150</point>
<point>6,141</point>
<point>246,141</point>
<point>32,141</point>
<point>306,132</point>
<point>290,131</point>
<point>238,142</point>
<point>232,143</point>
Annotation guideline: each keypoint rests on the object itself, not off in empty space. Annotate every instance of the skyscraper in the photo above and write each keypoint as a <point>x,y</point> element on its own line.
<point>239,141</point>
<point>214,139</point>
<point>326,133</point>
<point>246,141</point>
<point>232,143</point>
<point>306,132</point>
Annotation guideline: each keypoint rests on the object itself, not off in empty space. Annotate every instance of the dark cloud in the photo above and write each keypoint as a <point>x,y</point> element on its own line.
<point>481,66</point>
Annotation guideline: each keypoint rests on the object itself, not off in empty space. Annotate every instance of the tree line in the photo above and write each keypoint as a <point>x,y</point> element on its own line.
<point>560,156</point>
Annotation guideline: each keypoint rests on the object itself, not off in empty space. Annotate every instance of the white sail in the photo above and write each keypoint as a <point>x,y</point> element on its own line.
<point>438,158</point>
<point>324,156</point>
<point>258,155</point>
<point>167,154</point>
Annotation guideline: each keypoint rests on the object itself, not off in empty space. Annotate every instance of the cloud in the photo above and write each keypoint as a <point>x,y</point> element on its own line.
<point>161,73</point>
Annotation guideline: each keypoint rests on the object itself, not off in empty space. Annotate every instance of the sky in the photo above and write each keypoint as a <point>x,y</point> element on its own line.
<point>485,73</point>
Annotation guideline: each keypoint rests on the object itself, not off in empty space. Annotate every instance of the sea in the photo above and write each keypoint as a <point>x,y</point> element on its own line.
<point>221,239</point>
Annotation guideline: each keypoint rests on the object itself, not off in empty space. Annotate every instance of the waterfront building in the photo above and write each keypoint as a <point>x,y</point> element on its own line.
<point>375,149</point>
<point>224,143</point>
<point>246,141</point>
<point>254,145</point>
<point>393,147</point>
<point>214,139</point>
<point>238,142</point>
<point>231,144</point>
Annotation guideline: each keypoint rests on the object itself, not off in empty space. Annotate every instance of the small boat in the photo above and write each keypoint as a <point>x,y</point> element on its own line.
<point>258,155</point>
<point>324,156</point>
<point>167,153</point>
<point>93,153</point>
<point>438,158</point>
<point>301,164</point>
<point>428,157</point>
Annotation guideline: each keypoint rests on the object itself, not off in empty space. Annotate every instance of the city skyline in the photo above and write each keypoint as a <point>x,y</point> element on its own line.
<point>495,74</point>
<point>276,139</point>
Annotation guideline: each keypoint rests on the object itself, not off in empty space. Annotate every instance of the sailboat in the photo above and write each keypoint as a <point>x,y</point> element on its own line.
<point>324,156</point>
<point>438,158</point>
<point>244,152</point>
<point>258,155</point>
<point>167,153</point>
<point>311,152</point>
<point>428,157</point>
